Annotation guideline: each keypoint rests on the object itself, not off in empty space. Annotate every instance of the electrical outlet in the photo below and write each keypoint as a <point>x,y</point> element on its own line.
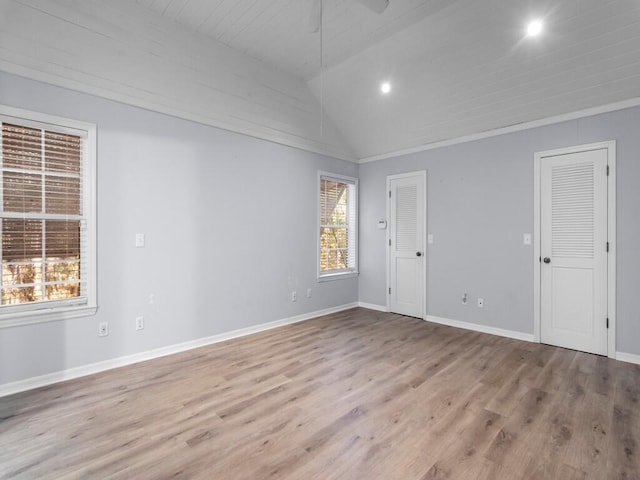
<point>294,296</point>
<point>103,329</point>
<point>309,293</point>
<point>139,323</point>
<point>464,299</point>
<point>480,302</point>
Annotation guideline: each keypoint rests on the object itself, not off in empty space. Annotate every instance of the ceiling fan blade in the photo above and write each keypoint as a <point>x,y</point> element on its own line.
<point>377,6</point>
<point>315,16</point>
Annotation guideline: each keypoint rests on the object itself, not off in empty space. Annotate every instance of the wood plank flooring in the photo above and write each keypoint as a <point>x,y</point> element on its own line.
<point>355,395</point>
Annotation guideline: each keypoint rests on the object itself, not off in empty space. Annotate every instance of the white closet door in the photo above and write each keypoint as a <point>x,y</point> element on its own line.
<point>573,246</point>
<point>406,244</point>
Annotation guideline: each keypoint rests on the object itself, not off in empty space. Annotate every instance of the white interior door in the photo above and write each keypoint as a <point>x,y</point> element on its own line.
<point>407,259</point>
<point>573,250</point>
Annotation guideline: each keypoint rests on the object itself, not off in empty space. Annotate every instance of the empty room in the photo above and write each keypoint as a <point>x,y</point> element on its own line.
<point>320,239</point>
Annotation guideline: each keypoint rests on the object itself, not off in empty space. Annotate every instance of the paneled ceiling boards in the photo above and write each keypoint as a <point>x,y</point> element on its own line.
<point>454,69</point>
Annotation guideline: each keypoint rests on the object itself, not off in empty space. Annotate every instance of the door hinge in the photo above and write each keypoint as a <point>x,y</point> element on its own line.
<point>540,259</point>
<point>607,170</point>
<point>389,193</point>
<point>607,323</point>
<point>389,290</point>
<point>607,246</point>
<point>389,242</point>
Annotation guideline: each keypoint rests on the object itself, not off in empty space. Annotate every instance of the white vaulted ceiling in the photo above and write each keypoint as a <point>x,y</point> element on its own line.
<point>469,68</point>
<point>277,32</point>
<point>458,68</point>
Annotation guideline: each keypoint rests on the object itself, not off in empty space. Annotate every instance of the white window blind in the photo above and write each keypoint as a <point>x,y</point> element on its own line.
<point>338,225</point>
<point>45,247</point>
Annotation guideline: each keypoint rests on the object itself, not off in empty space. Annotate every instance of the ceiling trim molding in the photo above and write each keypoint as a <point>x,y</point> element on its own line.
<point>234,125</point>
<point>588,112</point>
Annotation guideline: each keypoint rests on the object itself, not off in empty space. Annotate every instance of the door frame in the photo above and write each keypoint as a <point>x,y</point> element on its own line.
<point>610,146</point>
<point>423,174</point>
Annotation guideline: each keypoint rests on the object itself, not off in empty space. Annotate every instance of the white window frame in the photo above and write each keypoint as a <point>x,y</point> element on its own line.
<point>353,230</point>
<point>30,313</point>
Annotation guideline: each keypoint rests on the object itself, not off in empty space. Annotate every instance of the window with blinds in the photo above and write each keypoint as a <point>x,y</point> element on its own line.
<point>44,216</point>
<point>338,225</point>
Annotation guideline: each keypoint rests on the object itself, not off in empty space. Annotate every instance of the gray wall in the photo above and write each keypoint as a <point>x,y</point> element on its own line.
<point>230,224</point>
<point>480,203</point>
<point>216,269</point>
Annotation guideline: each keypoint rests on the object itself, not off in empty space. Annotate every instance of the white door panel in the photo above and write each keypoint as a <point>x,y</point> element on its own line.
<point>407,279</point>
<point>573,239</point>
<point>571,313</point>
<point>406,244</point>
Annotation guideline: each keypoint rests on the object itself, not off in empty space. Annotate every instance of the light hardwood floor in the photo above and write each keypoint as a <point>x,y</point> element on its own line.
<point>355,395</point>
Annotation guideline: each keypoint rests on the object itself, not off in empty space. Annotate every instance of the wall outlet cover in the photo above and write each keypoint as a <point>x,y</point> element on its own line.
<point>103,329</point>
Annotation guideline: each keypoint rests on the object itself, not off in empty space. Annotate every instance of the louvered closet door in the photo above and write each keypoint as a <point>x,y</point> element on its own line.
<point>573,228</point>
<point>406,249</point>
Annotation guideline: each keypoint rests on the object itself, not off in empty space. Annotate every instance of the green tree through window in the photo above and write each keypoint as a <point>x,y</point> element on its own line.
<point>337,224</point>
<point>41,215</point>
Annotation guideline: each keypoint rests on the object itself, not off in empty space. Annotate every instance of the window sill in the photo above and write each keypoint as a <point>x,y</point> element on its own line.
<point>329,277</point>
<point>45,315</point>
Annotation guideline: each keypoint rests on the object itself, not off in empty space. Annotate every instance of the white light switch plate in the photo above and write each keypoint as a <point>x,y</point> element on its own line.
<point>139,240</point>
<point>526,239</point>
<point>430,239</point>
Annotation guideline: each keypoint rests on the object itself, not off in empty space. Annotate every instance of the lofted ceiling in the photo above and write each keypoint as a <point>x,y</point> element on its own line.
<point>458,68</point>
<point>278,32</point>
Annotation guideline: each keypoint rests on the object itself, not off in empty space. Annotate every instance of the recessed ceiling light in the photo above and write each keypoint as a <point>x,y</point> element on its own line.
<point>534,28</point>
<point>385,87</point>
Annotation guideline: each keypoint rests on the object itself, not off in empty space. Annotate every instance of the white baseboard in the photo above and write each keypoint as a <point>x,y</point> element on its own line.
<point>628,357</point>
<point>526,337</point>
<point>372,306</point>
<point>62,375</point>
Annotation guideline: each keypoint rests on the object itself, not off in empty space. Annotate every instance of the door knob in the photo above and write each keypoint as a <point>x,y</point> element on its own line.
<point>418,254</point>
<point>546,260</point>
